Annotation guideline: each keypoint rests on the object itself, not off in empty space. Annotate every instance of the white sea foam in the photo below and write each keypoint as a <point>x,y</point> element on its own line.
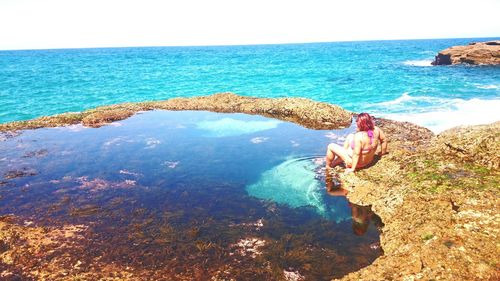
<point>115,124</point>
<point>414,104</point>
<point>450,113</point>
<point>488,87</point>
<point>405,97</point>
<point>418,62</point>
<point>428,52</point>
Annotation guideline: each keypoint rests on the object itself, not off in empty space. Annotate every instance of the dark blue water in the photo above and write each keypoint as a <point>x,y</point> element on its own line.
<point>155,188</point>
<point>388,78</point>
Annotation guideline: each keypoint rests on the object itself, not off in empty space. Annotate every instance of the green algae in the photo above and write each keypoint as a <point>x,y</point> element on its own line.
<point>438,175</point>
<point>427,236</point>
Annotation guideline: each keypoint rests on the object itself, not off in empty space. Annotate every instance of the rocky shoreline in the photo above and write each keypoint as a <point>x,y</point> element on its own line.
<point>437,195</point>
<point>476,53</point>
<point>438,198</point>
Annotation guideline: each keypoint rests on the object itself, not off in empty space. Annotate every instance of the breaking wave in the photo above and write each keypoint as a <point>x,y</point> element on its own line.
<point>488,87</point>
<point>418,62</point>
<point>439,114</point>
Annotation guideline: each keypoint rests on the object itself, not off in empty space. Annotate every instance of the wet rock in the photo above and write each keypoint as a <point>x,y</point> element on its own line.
<point>38,153</point>
<point>7,135</point>
<point>24,172</point>
<point>98,118</point>
<point>482,53</point>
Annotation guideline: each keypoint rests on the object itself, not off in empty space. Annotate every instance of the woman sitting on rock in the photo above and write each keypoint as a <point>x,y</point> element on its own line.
<point>359,149</point>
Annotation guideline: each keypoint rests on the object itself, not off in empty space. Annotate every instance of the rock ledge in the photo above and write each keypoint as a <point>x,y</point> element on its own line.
<point>438,197</point>
<point>477,53</point>
<point>308,113</point>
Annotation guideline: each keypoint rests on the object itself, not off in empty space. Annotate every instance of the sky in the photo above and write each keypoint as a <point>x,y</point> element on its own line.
<point>46,24</point>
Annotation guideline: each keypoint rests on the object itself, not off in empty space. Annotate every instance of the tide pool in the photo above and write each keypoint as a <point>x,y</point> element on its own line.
<point>164,192</point>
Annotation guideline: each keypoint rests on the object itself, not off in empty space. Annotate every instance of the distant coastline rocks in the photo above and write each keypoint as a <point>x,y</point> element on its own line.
<point>477,53</point>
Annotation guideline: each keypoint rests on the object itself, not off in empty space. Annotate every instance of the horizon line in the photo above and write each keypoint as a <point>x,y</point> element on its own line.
<point>238,44</point>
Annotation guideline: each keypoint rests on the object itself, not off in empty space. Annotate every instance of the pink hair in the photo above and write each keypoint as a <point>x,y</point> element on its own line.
<point>365,122</point>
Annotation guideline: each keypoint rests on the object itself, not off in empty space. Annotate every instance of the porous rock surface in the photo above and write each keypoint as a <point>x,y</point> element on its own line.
<point>481,53</point>
<point>438,198</point>
<point>303,111</point>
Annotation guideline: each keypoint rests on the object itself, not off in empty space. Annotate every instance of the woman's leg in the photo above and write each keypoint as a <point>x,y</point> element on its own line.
<point>336,154</point>
<point>331,158</point>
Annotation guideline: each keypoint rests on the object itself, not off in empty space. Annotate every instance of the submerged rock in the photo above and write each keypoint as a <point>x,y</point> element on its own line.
<point>483,53</point>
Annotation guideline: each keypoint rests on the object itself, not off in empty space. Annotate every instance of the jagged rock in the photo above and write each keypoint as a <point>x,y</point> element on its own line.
<point>479,53</point>
<point>438,202</point>
<point>478,144</point>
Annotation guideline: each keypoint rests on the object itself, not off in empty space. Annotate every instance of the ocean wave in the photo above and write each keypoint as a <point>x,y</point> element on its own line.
<point>405,97</point>
<point>418,62</point>
<point>488,87</point>
<point>452,113</point>
<point>427,53</point>
<point>405,101</point>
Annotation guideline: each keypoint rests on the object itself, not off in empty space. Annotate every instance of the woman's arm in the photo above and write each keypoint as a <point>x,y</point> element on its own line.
<point>383,142</point>
<point>356,152</point>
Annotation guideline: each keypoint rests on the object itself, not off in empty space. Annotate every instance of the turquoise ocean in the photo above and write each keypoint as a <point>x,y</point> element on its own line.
<point>392,79</point>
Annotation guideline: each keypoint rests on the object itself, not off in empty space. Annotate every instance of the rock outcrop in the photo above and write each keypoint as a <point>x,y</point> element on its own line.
<point>438,198</point>
<point>306,112</point>
<point>480,53</point>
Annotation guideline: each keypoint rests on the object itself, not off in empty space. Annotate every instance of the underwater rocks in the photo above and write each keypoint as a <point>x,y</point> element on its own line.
<point>37,253</point>
<point>438,198</point>
<point>482,53</point>
<point>249,246</point>
<point>302,111</point>
<point>24,172</point>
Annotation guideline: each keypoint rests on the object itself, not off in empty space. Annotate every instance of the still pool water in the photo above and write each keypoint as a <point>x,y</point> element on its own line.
<point>169,191</point>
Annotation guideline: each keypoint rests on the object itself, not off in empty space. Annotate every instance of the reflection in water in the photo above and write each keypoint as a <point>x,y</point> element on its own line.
<point>161,196</point>
<point>362,216</point>
<point>226,127</point>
